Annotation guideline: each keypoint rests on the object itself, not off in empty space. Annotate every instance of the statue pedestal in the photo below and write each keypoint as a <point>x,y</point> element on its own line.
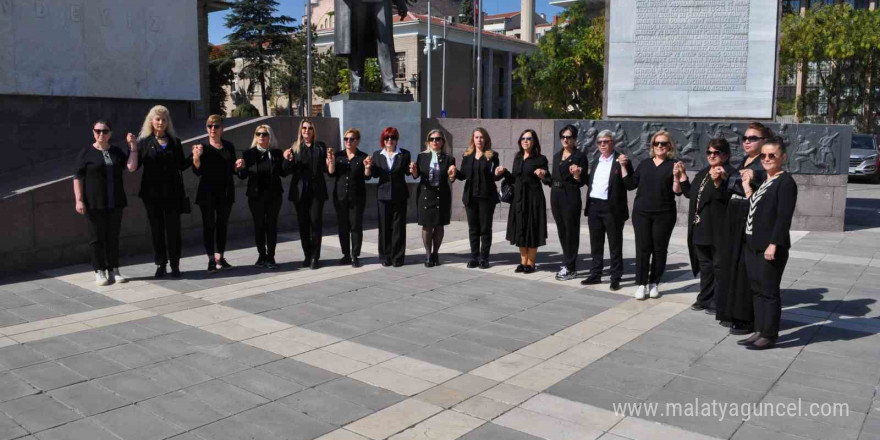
<point>372,112</point>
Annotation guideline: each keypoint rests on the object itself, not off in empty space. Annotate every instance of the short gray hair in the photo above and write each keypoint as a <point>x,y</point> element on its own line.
<point>605,134</point>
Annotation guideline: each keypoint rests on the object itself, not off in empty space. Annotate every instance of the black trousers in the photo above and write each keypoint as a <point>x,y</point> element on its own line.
<point>310,217</point>
<point>710,262</point>
<point>566,207</point>
<point>392,231</point>
<point>350,221</point>
<point>479,213</point>
<point>764,279</point>
<point>653,231</point>
<point>265,212</point>
<point>215,226</point>
<point>602,223</point>
<point>165,229</point>
<point>104,226</point>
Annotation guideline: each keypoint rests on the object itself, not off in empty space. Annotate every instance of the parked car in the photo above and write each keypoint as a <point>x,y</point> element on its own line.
<point>864,157</point>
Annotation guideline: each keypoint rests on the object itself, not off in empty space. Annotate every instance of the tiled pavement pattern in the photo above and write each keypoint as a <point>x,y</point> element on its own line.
<point>416,353</point>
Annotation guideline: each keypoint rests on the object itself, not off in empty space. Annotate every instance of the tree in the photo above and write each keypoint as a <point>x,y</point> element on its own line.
<point>326,73</point>
<point>290,74</point>
<point>220,75</point>
<point>564,77</point>
<point>258,38</point>
<point>466,12</point>
<point>840,46</point>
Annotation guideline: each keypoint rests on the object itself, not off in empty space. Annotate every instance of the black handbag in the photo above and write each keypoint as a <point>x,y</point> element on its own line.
<point>506,194</point>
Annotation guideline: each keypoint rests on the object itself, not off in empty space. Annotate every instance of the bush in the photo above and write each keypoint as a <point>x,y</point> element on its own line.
<point>246,110</point>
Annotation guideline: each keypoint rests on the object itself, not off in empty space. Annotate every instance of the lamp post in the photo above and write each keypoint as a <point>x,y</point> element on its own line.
<point>479,59</point>
<point>443,80</point>
<point>429,49</point>
<point>309,58</point>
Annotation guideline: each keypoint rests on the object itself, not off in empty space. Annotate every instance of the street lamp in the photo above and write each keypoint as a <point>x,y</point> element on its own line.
<point>414,85</point>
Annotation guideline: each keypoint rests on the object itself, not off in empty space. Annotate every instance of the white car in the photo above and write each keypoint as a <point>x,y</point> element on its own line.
<point>864,157</point>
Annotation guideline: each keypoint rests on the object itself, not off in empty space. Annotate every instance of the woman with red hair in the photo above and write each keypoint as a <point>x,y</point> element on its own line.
<point>391,165</point>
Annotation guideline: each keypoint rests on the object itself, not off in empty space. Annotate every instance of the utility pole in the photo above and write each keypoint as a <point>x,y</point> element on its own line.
<point>479,59</point>
<point>429,49</point>
<point>309,57</point>
<point>443,80</point>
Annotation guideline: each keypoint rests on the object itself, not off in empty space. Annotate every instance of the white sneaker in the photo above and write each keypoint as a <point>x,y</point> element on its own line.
<point>101,278</point>
<point>120,278</point>
<point>653,292</point>
<point>562,274</point>
<point>640,292</point>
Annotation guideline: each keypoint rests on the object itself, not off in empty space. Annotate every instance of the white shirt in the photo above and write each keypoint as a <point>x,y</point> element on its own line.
<point>389,157</point>
<point>599,188</point>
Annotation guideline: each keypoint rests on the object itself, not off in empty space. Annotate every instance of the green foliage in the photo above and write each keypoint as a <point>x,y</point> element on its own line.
<point>258,37</point>
<point>466,12</point>
<point>564,77</point>
<point>290,74</point>
<point>246,110</point>
<point>372,77</point>
<point>841,47</point>
<point>220,75</point>
<point>325,75</point>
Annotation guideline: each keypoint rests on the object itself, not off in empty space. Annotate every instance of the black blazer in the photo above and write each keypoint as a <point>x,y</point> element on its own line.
<point>392,181</point>
<point>466,173</point>
<point>772,213</point>
<point>617,201</point>
<point>276,172</point>
<point>561,179</point>
<point>311,171</point>
<point>92,172</point>
<point>423,164</point>
<point>349,174</point>
<point>161,182</point>
<point>713,207</point>
<point>215,174</point>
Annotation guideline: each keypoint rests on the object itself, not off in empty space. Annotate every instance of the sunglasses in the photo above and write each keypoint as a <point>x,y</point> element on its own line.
<point>526,138</point>
<point>101,131</point>
<point>350,139</point>
<point>308,128</point>
<point>390,138</point>
<point>752,138</point>
<point>713,153</point>
<point>214,126</point>
<point>769,156</point>
<point>435,139</point>
<point>661,144</point>
<point>566,137</point>
<point>262,134</point>
<point>603,142</point>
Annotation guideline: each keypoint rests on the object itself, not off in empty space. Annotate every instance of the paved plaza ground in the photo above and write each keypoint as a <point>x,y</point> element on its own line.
<point>443,353</point>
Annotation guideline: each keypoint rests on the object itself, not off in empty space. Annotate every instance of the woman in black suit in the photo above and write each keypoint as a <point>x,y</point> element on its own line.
<point>707,221</point>
<point>436,171</point>
<point>262,166</point>
<point>568,174</point>
<point>527,218</point>
<point>214,162</point>
<point>654,210</point>
<point>349,195</point>
<point>161,155</point>
<point>734,306</point>
<point>771,208</point>
<point>100,196</point>
<point>391,165</point>
<point>307,162</point>
<point>480,194</point>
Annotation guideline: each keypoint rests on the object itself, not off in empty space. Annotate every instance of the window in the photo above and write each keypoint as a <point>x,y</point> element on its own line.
<point>401,65</point>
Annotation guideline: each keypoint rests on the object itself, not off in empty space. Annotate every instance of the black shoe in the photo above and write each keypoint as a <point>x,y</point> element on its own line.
<point>270,263</point>
<point>519,268</point>
<point>315,264</point>
<point>160,271</point>
<point>709,310</point>
<point>224,264</point>
<point>175,272</point>
<point>485,264</point>
<point>725,324</point>
<point>398,264</point>
<point>615,285</point>
<point>355,262</point>
<point>528,269</point>
<point>386,263</point>
<point>307,262</point>
<point>592,279</point>
<point>697,307</point>
<point>740,329</point>
<point>261,261</point>
<point>345,260</point>
<point>435,258</point>
<point>212,265</point>
<point>472,264</point>
<point>429,262</point>
<point>749,340</point>
<point>762,344</point>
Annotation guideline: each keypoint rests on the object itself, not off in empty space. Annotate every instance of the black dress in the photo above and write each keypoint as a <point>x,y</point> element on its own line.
<point>527,218</point>
<point>434,193</point>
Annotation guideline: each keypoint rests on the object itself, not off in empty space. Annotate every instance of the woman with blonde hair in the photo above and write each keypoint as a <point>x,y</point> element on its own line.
<point>654,211</point>
<point>435,170</point>
<point>160,153</point>
<point>349,196</point>
<point>480,194</point>
<point>307,161</point>
<point>262,166</point>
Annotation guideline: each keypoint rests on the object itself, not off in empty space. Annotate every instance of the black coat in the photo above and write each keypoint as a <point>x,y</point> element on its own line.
<point>772,212</point>
<point>617,199</point>
<point>215,174</point>
<point>713,208</point>
<point>466,173</point>
<point>92,172</point>
<point>162,182</point>
<point>527,218</point>
<point>350,180</point>
<point>308,172</point>
<point>392,181</point>
<point>434,203</point>
<point>276,172</point>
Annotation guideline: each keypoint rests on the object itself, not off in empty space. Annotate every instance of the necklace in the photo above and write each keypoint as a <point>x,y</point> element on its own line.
<point>697,218</point>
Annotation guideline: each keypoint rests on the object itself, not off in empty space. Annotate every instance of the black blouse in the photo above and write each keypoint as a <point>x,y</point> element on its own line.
<point>654,183</point>
<point>216,170</point>
<point>102,177</point>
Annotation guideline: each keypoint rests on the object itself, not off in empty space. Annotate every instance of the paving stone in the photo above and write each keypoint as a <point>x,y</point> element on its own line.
<point>278,419</point>
<point>162,325</point>
<point>8,319</point>
<point>48,375</point>
<point>95,339</point>
<point>361,393</point>
<point>234,428</point>
<point>9,429</point>
<point>325,407</point>
<point>706,424</point>
<point>747,431</point>
<point>39,412</point>
<point>167,346</point>
<point>17,356</point>
<point>263,383</point>
<point>182,409</point>
<point>211,365</point>
<point>625,379</point>
<point>88,399</point>
<point>225,398</point>
<point>244,354</point>
<point>836,367</point>
<point>448,359</point>
<point>303,374</point>
<point>133,385</point>
<point>80,429</point>
<point>388,343</point>
<point>56,347</point>
<point>492,340</point>
<point>135,423</point>
<point>34,312</point>
<point>591,395</point>
<point>131,355</point>
<point>92,365</point>
<point>13,387</point>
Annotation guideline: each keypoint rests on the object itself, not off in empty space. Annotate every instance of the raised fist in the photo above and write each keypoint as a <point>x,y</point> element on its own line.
<point>575,170</point>
<point>197,150</point>
<point>239,164</point>
<point>131,139</point>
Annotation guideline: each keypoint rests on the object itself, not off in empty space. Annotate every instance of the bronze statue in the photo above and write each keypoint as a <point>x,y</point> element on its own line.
<point>363,28</point>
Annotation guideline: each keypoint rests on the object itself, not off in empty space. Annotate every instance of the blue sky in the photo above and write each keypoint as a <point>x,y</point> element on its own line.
<point>217,31</point>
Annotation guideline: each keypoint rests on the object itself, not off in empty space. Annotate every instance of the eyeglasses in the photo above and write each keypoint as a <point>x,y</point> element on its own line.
<point>435,139</point>
<point>661,144</point>
<point>713,153</point>
<point>390,138</point>
<point>526,139</point>
<point>768,156</point>
<point>262,134</point>
<point>101,131</point>
<point>603,142</point>
<point>350,139</point>
<point>566,137</point>
<point>214,126</point>
<point>752,139</point>
<point>308,128</point>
